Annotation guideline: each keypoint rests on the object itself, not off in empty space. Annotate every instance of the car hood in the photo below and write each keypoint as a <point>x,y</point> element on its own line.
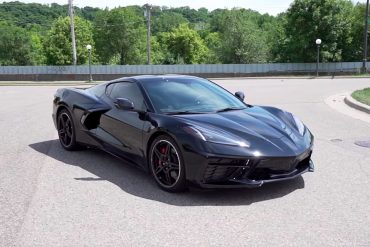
<point>264,130</point>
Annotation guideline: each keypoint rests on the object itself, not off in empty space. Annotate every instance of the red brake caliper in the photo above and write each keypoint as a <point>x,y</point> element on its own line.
<point>163,151</point>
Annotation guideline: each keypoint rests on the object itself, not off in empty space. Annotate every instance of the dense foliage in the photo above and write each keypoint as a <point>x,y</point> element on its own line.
<point>15,45</point>
<point>36,34</point>
<point>120,36</point>
<point>57,44</point>
<point>308,20</point>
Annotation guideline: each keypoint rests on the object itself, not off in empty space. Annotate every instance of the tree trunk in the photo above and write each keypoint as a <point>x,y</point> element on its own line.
<point>122,57</point>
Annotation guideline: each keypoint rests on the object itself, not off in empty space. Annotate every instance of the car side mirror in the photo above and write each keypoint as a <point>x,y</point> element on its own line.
<point>240,95</point>
<point>124,104</point>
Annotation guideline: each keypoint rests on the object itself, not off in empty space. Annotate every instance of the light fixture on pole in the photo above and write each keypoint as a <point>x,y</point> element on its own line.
<point>89,48</point>
<point>318,43</point>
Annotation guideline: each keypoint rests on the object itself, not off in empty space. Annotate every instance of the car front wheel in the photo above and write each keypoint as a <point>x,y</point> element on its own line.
<point>166,164</point>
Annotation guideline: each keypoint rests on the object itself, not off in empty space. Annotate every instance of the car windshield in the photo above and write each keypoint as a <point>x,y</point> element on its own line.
<point>189,95</point>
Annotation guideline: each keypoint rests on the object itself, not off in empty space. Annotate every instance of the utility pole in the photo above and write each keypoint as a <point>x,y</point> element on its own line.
<point>364,67</point>
<point>147,14</point>
<point>71,15</point>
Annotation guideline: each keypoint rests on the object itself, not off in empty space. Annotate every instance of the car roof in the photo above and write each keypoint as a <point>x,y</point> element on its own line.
<point>150,78</point>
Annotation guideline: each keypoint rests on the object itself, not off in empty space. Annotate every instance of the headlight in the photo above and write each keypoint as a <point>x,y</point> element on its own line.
<point>299,124</point>
<point>216,136</point>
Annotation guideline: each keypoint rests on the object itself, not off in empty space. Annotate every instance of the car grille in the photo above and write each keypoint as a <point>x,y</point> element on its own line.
<point>223,170</point>
<point>278,164</point>
<point>275,168</point>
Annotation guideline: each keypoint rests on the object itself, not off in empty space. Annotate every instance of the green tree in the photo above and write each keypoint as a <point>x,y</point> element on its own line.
<point>24,14</point>
<point>37,49</point>
<point>354,50</point>
<point>276,39</point>
<point>166,21</point>
<point>159,52</point>
<point>307,20</point>
<point>192,15</point>
<point>15,45</point>
<point>87,13</point>
<point>229,36</point>
<point>186,45</point>
<point>242,40</point>
<point>213,42</point>
<point>58,44</point>
<point>120,36</point>
<point>219,17</point>
<point>37,35</point>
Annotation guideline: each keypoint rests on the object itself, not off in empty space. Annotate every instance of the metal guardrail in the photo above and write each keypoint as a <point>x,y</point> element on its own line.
<point>183,69</point>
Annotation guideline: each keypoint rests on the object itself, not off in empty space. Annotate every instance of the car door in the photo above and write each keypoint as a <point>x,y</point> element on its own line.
<point>124,127</point>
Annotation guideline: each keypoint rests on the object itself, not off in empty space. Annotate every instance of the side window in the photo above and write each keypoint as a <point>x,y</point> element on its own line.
<point>127,90</point>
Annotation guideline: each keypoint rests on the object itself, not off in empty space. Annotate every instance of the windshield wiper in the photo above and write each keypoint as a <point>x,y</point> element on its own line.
<point>230,109</point>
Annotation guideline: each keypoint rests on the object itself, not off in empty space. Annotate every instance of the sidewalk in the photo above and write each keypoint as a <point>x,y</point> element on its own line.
<point>338,102</point>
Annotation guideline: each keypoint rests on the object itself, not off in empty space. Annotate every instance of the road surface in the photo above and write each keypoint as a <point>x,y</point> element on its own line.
<point>51,197</point>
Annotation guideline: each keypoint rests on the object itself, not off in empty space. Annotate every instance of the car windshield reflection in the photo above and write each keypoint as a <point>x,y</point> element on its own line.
<point>189,95</point>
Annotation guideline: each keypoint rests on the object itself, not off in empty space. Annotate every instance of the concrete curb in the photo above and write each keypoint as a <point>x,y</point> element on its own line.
<point>355,104</point>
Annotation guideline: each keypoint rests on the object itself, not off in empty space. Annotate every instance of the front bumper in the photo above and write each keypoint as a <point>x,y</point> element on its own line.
<point>226,172</point>
<point>250,183</point>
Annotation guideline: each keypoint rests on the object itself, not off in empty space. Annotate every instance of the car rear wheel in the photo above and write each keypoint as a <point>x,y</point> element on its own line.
<point>166,164</point>
<point>66,130</point>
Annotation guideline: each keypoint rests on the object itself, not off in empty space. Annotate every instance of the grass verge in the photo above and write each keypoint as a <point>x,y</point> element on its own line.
<point>362,96</point>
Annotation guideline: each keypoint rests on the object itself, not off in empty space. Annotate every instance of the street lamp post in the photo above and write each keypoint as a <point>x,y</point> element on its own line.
<point>89,47</point>
<point>318,43</point>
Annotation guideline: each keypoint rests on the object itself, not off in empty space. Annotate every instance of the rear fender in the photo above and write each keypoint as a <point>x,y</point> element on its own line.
<point>86,110</point>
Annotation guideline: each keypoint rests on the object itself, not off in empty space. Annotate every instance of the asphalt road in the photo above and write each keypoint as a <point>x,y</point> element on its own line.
<point>51,197</point>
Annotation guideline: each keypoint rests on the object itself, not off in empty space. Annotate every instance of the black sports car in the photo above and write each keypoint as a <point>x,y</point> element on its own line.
<point>185,130</point>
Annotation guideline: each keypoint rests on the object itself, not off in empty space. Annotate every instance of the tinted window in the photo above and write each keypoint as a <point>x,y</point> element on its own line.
<point>189,94</point>
<point>127,90</point>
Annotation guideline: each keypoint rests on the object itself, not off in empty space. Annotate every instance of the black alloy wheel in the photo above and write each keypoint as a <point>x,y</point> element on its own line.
<point>166,164</point>
<point>66,130</point>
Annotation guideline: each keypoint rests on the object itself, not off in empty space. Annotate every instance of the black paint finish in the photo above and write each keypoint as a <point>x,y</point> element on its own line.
<point>275,148</point>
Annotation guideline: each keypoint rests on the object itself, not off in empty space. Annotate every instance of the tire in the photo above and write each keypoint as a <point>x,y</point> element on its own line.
<point>66,130</point>
<point>167,165</point>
